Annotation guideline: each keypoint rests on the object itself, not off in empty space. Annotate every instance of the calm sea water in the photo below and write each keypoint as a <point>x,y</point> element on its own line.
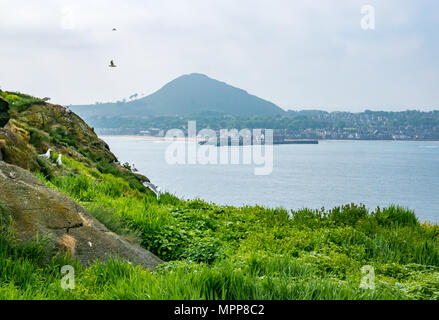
<point>330,174</point>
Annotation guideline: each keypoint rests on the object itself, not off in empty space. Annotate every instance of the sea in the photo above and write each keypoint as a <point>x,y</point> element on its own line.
<point>330,174</point>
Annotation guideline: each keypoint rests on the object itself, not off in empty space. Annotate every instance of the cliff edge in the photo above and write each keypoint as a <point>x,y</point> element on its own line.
<point>30,127</point>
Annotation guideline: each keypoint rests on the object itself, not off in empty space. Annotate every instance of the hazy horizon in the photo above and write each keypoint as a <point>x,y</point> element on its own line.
<point>299,56</point>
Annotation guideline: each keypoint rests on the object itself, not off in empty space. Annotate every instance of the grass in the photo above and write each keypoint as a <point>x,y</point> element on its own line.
<point>224,252</point>
<point>18,101</point>
<point>111,220</point>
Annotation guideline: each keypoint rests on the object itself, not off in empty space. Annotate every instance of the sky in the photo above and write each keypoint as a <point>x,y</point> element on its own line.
<point>297,54</point>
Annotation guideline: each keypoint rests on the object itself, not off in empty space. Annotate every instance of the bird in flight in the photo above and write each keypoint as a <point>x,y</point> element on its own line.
<point>114,29</point>
<point>112,65</point>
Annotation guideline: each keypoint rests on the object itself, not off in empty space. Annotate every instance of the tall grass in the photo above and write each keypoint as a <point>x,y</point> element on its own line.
<point>224,252</point>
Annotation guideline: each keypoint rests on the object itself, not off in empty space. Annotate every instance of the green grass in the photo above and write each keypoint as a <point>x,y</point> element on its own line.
<point>112,221</point>
<point>19,101</point>
<point>224,252</point>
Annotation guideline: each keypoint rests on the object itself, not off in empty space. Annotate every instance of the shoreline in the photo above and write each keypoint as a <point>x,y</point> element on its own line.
<point>146,137</point>
<point>192,139</point>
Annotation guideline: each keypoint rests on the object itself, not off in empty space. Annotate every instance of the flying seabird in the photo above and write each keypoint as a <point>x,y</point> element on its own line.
<point>112,65</point>
<point>46,155</point>
<point>59,161</point>
<point>153,188</point>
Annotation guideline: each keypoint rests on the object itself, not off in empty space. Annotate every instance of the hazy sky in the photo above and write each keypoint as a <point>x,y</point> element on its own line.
<point>299,55</point>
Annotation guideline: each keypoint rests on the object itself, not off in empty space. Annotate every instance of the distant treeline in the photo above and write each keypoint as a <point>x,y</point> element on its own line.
<point>405,125</point>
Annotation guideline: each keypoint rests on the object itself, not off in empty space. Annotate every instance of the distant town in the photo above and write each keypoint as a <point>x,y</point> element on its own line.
<point>221,106</point>
<point>320,125</point>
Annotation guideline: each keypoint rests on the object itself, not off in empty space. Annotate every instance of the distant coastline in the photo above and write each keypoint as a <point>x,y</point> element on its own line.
<point>146,137</point>
<point>155,138</point>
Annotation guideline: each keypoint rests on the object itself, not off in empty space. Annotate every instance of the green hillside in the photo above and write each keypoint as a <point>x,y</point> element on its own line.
<point>208,251</point>
<point>187,95</point>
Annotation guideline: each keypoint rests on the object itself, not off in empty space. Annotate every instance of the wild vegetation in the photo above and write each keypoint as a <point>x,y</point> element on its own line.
<point>220,252</point>
<point>18,101</point>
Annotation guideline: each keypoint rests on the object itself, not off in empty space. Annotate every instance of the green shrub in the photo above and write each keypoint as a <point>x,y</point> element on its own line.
<point>224,252</point>
<point>348,214</point>
<point>396,216</point>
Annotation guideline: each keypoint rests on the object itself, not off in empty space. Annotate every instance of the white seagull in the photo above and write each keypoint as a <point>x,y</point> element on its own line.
<point>153,188</point>
<point>59,161</point>
<point>46,155</point>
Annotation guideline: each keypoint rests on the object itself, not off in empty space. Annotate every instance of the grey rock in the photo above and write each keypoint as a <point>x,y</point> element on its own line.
<point>38,209</point>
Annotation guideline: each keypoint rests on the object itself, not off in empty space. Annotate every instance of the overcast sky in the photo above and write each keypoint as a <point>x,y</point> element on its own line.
<point>299,55</point>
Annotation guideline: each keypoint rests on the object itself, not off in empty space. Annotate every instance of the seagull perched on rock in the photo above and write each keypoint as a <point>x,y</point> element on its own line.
<point>59,161</point>
<point>112,65</point>
<point>153,188</point>
<point>46,155</point>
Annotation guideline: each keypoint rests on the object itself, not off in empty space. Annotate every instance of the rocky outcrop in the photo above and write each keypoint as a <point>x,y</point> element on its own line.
<point>44,125</point>
<point>4,112</point>
<point>16,149</point>
<point>36,209</point>
<point>65,130</point>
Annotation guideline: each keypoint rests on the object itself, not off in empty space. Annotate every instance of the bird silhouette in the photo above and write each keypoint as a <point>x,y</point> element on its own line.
<point>112,65</point>
<point>114,29</point>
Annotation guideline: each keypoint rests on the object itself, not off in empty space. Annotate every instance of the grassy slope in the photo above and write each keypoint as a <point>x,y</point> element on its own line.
<point>215,252</point>
<point>218,252</point>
